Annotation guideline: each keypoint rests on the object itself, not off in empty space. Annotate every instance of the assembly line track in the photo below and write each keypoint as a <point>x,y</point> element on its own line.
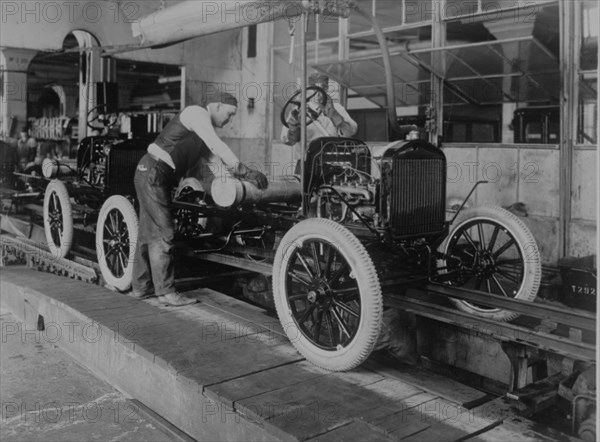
<point>414,300</point>
<point>418,301</point>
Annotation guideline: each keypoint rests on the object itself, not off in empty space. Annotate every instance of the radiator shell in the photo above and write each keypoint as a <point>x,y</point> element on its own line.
<point>413,190</point>
<point>120,168</point>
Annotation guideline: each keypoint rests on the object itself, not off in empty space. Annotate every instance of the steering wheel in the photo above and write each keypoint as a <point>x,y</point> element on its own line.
<point>105,122</point>
<point>311,115</point>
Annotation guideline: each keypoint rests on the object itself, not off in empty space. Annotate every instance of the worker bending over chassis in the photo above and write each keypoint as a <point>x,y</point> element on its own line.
<point>187,140</point>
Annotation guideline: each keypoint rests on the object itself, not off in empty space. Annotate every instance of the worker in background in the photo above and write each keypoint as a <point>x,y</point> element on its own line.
<point>332,119</point>
<point>26,146</point>
<point>185,141</point>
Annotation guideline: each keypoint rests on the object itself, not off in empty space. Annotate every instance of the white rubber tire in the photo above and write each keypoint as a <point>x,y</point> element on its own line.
<point>527,247</point>
<point>371,300</point>
<point>57,193</point>
<point>129,217</point>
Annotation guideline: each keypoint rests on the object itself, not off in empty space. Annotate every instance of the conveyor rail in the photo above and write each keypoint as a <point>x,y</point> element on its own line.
<point>414,302</point>
<point>561,315</point>
<point>502,331</point>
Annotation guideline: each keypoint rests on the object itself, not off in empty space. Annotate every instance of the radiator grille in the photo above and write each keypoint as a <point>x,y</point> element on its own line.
<point>121,169</point>
<point>417,199</point>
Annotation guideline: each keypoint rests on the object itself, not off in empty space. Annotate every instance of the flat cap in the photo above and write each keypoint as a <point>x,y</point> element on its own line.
<point>317,77</point>
<point>223,97</point>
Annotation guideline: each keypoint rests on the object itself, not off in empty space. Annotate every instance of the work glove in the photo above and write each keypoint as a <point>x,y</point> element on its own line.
<point>254,176</point>
<point>257,178</point>
<point>293,133</point>
<point>330,112</point>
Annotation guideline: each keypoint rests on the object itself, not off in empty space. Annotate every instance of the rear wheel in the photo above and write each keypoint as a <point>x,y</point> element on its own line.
<point>189,223</point>
<point>327,294</point>
<point>491,250</point>
<point>116,237</point>
<point>58,219</point>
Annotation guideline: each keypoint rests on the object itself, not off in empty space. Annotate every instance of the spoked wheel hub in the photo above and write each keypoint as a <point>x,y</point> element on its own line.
<point>491,250</point>
<point>56,221</point>
<point>116,239</point>
<point>116,235</point>
<point>485,265</point>
<point>325,302</point>
<point>58,218</point>
<point>327,294</point>
<point>321,296</point>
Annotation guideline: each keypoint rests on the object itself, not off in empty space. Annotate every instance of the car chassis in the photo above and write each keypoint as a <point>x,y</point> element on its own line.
<point>352,224</point>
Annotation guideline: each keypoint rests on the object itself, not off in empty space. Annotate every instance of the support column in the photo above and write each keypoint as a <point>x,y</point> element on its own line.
<point>14,63</point>
<point>435,116</point>
<point>568,116</point>
<point>90,72</point>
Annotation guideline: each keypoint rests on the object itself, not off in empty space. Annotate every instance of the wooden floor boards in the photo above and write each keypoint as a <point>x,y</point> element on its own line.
<point>237,356</point>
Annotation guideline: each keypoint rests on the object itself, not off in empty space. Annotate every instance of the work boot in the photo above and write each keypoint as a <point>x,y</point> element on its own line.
<point>141,296</point>
<point>176,299</point>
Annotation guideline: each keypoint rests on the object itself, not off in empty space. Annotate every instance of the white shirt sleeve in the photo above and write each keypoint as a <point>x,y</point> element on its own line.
<point>197,119</point>
<point>348,127</point>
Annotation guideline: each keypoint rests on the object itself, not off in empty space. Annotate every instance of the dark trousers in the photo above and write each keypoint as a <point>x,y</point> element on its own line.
<point>153,269</point>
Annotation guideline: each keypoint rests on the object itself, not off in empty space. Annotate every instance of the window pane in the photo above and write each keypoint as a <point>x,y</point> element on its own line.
<point>589,35</point>
<point>458,8</point>
<point>328,26</point>
<point>356,22</point>
<point>420,11</point>
<point>388,13</point>
<point>472,124</point>
<point>588,110</point>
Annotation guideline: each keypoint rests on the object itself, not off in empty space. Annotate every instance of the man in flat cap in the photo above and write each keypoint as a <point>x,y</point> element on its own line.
<point>331,120</point>
<point>186,140</point>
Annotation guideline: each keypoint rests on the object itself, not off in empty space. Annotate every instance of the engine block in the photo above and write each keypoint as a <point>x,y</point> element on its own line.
<point>402,192</point>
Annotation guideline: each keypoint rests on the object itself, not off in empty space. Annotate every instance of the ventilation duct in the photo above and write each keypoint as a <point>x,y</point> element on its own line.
<point>194,18</point>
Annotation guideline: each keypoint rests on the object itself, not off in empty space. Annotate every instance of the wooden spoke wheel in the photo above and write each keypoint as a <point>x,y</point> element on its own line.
<point>327,294</point>
<point>116,237</point>
<point>58,219</point>
<point>491,250</point>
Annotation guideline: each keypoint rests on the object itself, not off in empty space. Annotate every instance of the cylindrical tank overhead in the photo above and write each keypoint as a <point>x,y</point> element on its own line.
<point>194,18</point>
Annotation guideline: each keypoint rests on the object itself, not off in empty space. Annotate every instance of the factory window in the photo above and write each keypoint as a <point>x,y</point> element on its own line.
<point>500,74</point>
<point>587,126</point>
<point>499,62</point>
<point>393,13</point>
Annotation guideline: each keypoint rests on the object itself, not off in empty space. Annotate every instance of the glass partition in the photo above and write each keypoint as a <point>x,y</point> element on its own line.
<point>500,72</point>
<point>587,127</point>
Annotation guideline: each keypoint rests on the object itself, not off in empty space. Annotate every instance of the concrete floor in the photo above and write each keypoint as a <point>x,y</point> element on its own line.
<point>46,396</point>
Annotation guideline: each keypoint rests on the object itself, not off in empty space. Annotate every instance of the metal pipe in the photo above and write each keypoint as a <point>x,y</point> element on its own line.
<point>195,18</point>
<point>52,168</point>
<point>304,22</point>
<point>387,66</point>
<point>232,192</point>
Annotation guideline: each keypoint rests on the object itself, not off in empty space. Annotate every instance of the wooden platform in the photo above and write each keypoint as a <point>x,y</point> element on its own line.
<point>223,370</point>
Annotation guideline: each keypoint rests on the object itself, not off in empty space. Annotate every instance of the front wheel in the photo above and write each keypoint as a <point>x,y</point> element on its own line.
<point>116,238</point>
<point>491,250</point>
<point>327,294</point>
